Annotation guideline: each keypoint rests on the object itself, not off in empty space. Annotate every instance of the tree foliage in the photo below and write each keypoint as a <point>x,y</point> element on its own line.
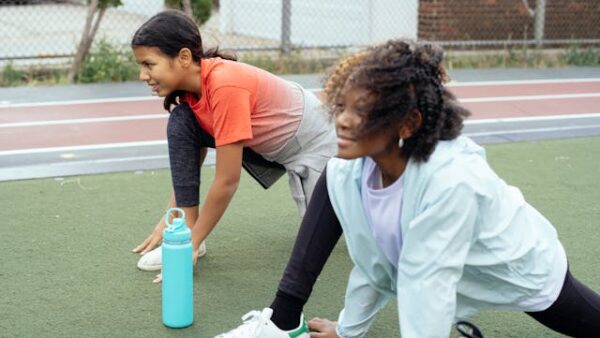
<point>95,13</point>
<point>201,9</point>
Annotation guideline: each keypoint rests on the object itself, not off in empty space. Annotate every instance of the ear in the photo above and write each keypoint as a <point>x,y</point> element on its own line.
<point>411,124</point>
<point>185,57</point>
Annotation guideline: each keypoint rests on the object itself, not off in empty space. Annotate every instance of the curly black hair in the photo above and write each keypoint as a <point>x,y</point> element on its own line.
<point>408,79</point>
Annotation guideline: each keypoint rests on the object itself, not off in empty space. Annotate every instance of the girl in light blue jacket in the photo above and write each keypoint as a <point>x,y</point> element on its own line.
<point>426,220</point>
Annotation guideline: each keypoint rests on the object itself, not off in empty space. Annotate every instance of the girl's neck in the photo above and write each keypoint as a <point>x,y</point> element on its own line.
<point>191,81</point>
<point>391,168</point>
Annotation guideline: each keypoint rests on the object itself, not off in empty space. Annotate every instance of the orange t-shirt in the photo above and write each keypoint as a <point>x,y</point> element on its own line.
<point>240,102</point>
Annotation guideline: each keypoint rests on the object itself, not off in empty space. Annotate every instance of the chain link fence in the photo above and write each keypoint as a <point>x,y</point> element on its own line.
<point>45,32</point>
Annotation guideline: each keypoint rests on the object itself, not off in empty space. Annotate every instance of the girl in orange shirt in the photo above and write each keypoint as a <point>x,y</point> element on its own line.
<point>252,118</point>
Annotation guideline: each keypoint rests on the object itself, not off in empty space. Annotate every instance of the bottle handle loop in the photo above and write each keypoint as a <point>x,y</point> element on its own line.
<point>171,211</point>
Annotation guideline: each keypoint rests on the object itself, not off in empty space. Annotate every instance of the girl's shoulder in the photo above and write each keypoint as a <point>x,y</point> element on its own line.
<point>453,162</point>
<point>217,70</point>
<point>217,73</point>
<point>461,151</point>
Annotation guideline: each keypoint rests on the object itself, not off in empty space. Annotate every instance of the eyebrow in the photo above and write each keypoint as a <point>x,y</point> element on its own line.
<point>363,99</point>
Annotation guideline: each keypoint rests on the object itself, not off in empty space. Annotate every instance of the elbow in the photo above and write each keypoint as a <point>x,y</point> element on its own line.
<point>228,185</point>
<point>232,186</point>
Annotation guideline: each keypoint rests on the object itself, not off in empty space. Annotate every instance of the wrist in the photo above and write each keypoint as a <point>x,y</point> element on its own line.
<point>195,241</point>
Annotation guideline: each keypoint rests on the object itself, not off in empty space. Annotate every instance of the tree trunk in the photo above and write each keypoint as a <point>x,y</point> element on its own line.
<point>92,23</point>
<point>187,8</point>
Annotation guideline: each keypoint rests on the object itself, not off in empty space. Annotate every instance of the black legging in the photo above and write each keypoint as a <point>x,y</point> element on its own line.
<point>317,236</point>
<point>576,312</point>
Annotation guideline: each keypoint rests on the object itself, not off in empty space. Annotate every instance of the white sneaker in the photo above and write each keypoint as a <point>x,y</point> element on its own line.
<point>152,261</point>
<point>259,325</point>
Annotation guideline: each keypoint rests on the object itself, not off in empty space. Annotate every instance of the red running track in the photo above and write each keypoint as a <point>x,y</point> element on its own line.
<point>97,122</point>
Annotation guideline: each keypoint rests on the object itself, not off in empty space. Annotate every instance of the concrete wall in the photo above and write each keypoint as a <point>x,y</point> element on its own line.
<point>323,22</point>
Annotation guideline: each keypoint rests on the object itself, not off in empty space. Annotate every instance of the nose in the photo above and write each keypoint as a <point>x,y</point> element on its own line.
<point>346,120</point>
<point>144,75</point>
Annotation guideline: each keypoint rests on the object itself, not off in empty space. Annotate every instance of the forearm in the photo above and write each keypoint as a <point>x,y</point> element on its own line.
<point>227,178</point>
<point>215,204</point>
<point>362,303</point>
<point>427,308</point>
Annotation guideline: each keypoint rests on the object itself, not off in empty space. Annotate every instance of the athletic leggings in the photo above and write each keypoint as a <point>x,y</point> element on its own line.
<point>576,312</point>
<point>318,234</point>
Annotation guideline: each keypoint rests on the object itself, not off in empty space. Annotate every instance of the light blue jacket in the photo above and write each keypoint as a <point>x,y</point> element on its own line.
<point>470,242</point>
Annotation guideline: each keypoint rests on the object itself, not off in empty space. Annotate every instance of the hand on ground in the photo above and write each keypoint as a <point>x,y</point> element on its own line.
<point>322,328</point>
<point>151,241</point>
<point>157,279</point>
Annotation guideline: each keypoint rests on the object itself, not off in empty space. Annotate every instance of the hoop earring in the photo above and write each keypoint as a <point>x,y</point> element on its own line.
<point>400,143</point>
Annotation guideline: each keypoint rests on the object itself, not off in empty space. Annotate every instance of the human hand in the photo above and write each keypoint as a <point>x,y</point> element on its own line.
<point>157,279</point>
<point>152,241</point>
<point>195,257</point>
<point>322,328</point>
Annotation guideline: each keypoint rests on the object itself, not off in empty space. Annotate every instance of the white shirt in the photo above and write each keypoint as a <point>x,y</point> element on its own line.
<point>381,207</point>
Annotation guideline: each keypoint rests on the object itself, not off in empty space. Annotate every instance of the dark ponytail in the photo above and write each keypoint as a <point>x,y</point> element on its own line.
<point>170,31</point>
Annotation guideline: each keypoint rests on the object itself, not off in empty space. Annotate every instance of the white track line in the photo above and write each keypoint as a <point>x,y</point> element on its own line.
<point>529,97</point>
<point>518,82</point>
<point>164,116</point>
<point>533,118</point>
<point>8,104</point>
<point>121,159</point>
<point>468,122</point>
<point>84,147</point>
<point>532,130</point>
<point>83,120</point>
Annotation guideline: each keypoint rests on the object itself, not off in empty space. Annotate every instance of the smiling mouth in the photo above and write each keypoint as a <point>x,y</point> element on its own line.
<point>345,141</point>
<point>154,87</point>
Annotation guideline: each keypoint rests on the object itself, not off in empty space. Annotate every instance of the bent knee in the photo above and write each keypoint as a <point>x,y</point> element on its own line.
<point>182,121</point>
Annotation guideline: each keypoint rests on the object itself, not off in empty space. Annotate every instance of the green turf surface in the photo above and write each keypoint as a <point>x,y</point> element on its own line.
<point>67,270</point>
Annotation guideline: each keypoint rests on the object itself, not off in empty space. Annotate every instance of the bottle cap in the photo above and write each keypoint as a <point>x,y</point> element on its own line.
<point>177,230</point>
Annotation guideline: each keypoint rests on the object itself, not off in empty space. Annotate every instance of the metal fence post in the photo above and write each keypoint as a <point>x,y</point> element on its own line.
<point>286,26</point>
<point>540,18</point>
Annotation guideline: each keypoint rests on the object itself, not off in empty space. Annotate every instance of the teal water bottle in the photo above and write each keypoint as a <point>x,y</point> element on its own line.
<point>177,272</point>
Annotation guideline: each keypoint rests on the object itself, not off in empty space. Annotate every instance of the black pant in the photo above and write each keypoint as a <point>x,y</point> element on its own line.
<point>319,232</point>
<point>186,138</point>
<point>575,313</point>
